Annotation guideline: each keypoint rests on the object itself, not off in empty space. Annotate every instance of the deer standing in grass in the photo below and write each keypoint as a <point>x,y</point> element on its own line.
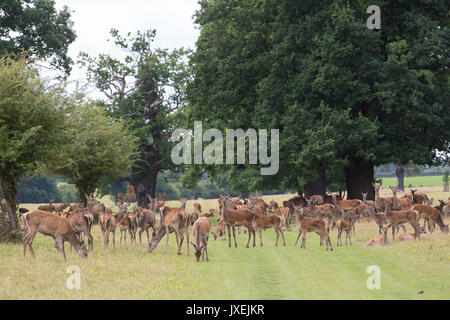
<point>108,224</point>
<point>54,226</point>
<point>274,221</point>
<point>399,204</point>
<point>201,230</point>
<point>380,203</point>
<point>233,218</point>
<point>173,220</point>
<point>419,197</point>
<point>396,218</point>
<point>307,224</point>
<point>146,220</point>
<point>345,224</point>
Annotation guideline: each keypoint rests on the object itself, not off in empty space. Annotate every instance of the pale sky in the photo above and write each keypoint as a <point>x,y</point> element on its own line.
<point>93,19</point>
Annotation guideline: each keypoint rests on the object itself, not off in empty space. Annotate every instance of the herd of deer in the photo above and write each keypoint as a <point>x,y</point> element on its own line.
<point>313,214</point>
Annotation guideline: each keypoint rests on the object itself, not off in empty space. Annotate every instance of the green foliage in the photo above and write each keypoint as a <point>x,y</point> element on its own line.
<point>37,27</point>
<point>100,148</point>
<point>38,190</point>
<point>339,93</point>
<point>68,192</point>
<point>146,89</point>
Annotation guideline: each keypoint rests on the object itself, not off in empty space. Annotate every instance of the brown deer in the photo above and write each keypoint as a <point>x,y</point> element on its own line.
<point>234,218</point>
<point>430,214</point>
<point>173,220</point>
<point>410,236</point>
<point>220,230</point>
<point>379,218</point>
<point>380,240</point>
<point>308,224</point>
<point>47,207</point>
<point>399,204</point>
<point>318,199</point>
<point>108,224</point>
<point>365,201</point>
<point>274,221</point>
<point>380,202</point>
<point>273,205</point>
<point>419,197</point>
<point>285,214</point>
<point>396,218</point>
<point>201,230</point>
<point>345,224</point>
<point>59,207</point>
<point>81,223</point>
<point>54,226</point>
<point>146,220</point>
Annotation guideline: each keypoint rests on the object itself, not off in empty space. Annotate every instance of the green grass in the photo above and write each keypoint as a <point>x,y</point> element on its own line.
<point>425,181</point>
<point>267,272</point>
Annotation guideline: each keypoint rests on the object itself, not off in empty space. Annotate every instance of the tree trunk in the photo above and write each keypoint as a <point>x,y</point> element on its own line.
<point>317,186</point>
<point>359,178</point>
<point>10,192</point>
<point>145,185</point>
<point>400,173</point>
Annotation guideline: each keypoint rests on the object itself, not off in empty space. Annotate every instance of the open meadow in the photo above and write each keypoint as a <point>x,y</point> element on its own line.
<point>409,270</point>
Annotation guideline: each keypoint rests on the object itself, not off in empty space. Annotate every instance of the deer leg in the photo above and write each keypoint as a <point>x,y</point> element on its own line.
<point>105,240</point>
<point>229,236</point>
<point>167,239</point>
<point>298,237</point>
<point>234,236</point>
<point>114,238</point>
<point>181,242</point>
<point>260,237</point>
<point>304,240</point>
<point>278,236</point>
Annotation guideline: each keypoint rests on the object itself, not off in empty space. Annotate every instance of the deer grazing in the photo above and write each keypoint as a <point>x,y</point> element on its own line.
<point>173,220</point>
<point>430,214</point>
<point>201,230</point>
<point>233,218</point>
<point>308,224</point>
<point>220,230</point>
<point>81,223</point>
<point>54,226</point>
<point>380,240</point>
<point>274,221</point>
<point>47,207</point>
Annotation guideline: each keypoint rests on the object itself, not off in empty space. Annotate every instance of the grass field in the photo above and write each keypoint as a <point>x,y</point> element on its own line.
<point>419,181</point>
<point>267,272</point>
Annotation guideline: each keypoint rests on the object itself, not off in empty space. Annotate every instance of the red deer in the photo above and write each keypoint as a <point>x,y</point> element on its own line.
<point>173,219</point>
<point>379,201</point>
<point>285,213</point>
<point>54,226</point>
<point>197,208</point>
<point>399,204</point>
<point>234,218</point>
<point>431,214</point>
<point>396,218</point>
<point>409,236</point>
<point>47,207</point>
<point>419,197</point>
<point>307,224</point>
<point>274,221</point>
<point>147,220</point>
<point>345,224</point>
<point>367,202</point>
<point>379,218</point>
<point>201,230</point>
<point>380,240</point>
<point>273,206</point>
<point>59,207</point>
<point>81,223</point>
<point>318,199</point>
<point>108,224</point>
<point>220,230</point>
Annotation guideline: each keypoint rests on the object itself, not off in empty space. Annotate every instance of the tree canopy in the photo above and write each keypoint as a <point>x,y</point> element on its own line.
<point>35,26</point>
<point>342,95</point>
